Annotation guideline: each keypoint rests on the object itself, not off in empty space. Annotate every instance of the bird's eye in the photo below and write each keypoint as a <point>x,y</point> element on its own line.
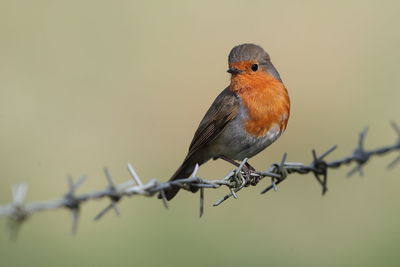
<point>254,67</point>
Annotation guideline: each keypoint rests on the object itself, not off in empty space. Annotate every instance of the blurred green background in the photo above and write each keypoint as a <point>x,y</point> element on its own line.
<point>87,84</point>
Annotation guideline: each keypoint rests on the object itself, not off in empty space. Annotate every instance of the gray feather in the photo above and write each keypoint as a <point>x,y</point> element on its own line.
<point>253,52</point>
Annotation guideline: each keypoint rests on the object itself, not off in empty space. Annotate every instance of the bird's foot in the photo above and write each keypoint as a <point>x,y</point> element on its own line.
<point>250,173</point>
<point>254,180</point>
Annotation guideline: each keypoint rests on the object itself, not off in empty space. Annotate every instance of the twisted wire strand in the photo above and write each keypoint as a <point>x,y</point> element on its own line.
<point>18,212</point>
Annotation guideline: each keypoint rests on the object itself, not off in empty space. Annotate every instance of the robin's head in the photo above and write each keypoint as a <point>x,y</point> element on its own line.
<point>250,59</point>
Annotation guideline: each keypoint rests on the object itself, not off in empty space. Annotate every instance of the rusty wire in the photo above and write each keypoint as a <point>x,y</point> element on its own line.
<point>17,211</point>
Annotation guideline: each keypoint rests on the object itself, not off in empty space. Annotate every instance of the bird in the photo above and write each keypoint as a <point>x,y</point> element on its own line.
<point>245,118</point>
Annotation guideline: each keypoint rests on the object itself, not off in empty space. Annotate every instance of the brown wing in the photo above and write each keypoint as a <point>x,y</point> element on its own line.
<point>224,109</point>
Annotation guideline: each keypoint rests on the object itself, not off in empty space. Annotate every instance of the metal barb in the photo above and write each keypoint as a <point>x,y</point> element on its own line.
<point>108,176</point>
<point>394,163</point>
<point>274,184</point>
<point>218,202</point>
<point>233,192</point>
<point>13,228</point>
<point>201,202</point>
<point>325,182</point>
<point>282,170</point>
<point>360,156</point>
<point>103,212</point>
<point>229,175</point>
<point>74,185</point>
<point>330,150</point>
<point>239,169</point>
<point>320,168</point>
<point>110,206</point>
<point>395,127</point>
<point>71,202</point>
<point>283,159</point>
<point>318,179</point>
<point>74,217</point>
<point>196,168</point>
<point>164,198</point>
<point>134,174</point>
<point>17,211</point>
<point>113,195</point>
<point>80,181</point>
<point>269,188</point>
<point>19,192</point>
<point>314,154</point>
<point>355,169</point>
<point>115,208</point>
<point>362,138</point>
<point>70,182</point>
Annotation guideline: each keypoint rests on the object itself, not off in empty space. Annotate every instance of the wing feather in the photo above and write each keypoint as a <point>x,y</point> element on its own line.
<point>223,110</point>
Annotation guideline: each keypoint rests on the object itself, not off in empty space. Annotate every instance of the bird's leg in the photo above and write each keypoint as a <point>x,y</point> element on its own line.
<point>253,180</point>
<point>231,161</point>
<point>249,166</point>
<point>247,169</point>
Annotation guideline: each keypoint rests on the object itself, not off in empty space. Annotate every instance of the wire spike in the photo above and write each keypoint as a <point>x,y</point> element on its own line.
<point>314,154</point>
<point>233,192</point>
<point>103,212</point>
<point>17,211</point>
<point>196,168</point>
<point>80,181</point>
<point>115,208</point>
<point>393,163</point>
<point>395,127</point>
<point>355,169</point>
<point>282,170</point>
<point>283,160</point>
<point>270,187</point>
<point>70,182</point>
<point>274,184</point>
<point>219,201</point>
<point>164,199</point>
<point>19,192</point>
<point>361,170</point>
<point>325,182</point>
<point>229,175</point>
<point>362,138</point>
<point>330,150</point>
<point>318,179</point>
<point>266,189</point>
<point>239,169</point>
<point>13,228</point>
<point>108,176</point>
<point>74,217</point>
<point>201,202</point>
<point>134,174</point>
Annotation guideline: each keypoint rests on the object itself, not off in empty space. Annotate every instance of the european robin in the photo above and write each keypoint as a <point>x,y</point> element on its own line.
<point>245,118</point>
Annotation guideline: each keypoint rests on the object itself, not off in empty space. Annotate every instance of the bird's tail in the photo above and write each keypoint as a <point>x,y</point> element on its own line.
<point>184,171</point>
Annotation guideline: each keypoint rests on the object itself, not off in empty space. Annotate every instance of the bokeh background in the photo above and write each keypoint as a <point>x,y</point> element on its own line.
<point>88,84</point>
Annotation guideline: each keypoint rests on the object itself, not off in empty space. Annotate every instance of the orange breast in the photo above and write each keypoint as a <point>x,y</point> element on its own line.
<point>265,99</point>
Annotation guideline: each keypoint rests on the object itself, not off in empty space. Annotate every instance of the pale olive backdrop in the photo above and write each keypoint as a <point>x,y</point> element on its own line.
<point>88,84</point>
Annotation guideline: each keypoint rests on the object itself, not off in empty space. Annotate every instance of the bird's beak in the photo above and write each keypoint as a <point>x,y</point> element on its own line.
<point>234,71</point>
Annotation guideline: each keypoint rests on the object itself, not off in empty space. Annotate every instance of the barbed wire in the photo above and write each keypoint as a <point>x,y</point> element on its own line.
<point>18,212</point>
